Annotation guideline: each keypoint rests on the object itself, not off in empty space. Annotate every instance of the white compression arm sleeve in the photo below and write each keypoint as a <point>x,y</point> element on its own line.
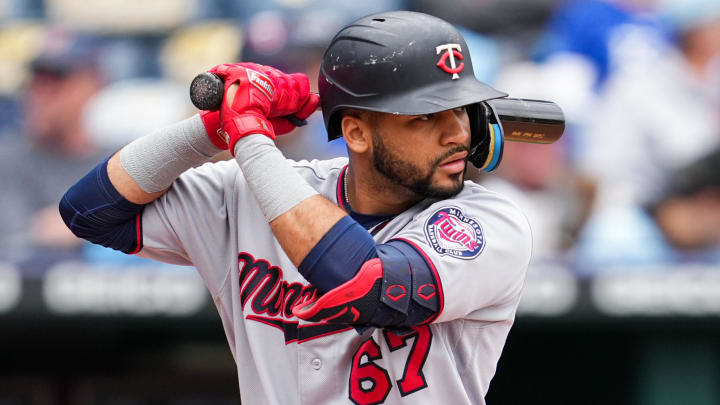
<point>156,160</point>
<point>274,182</point>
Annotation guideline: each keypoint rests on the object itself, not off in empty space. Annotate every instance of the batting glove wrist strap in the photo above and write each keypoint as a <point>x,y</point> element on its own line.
<point>213,128</point>
<point>246,124</point>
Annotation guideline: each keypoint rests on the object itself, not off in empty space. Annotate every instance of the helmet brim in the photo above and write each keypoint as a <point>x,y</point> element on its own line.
<point>426,100</point>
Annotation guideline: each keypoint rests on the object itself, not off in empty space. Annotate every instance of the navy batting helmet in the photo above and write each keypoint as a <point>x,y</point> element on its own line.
<point>407,63</point>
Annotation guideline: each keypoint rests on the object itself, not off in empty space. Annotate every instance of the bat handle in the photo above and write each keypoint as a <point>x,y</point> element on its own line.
<point>206,93</point>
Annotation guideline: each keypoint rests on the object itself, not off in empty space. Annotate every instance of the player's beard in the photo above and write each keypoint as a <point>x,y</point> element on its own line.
<point>413,177</point>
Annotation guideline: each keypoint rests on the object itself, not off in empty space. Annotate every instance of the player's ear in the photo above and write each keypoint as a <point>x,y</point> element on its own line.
<point>356,132</point>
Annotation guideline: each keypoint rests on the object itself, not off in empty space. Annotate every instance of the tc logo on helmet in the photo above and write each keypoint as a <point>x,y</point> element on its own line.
<point>452,51</point>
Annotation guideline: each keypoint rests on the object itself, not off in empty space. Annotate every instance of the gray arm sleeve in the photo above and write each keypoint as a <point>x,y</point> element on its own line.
<point>156,160</point>
<point>275,183</point>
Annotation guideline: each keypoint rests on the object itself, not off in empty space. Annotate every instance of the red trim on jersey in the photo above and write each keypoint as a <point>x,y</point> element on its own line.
<point>340,188</point>
<point>138,227</point>
<point>441,293</point>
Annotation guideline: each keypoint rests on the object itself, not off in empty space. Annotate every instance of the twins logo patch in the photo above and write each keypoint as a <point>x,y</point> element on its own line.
<point>452,233</point>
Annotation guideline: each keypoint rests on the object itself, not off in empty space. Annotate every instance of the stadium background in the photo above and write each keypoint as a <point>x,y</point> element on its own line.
<point>622,301</point>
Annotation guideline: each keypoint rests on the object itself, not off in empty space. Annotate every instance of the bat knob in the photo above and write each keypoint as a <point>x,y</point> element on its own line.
<point>206,91</point>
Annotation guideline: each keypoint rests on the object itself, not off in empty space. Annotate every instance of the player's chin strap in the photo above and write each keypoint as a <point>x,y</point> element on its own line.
<point>376,296</point>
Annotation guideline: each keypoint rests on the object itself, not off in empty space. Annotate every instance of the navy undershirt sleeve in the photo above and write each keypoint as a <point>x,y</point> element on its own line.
<point>338,256</point>
<point>94,210</point>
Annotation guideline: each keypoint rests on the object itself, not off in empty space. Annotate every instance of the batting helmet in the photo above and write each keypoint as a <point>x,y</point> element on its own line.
<point>407,63</point>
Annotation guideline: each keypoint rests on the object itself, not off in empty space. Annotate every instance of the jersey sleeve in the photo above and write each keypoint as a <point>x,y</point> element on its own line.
<point>188,225</point>
<point>479,246</point>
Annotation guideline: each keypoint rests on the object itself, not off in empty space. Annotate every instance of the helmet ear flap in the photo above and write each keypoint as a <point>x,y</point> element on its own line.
<point>487,140</point>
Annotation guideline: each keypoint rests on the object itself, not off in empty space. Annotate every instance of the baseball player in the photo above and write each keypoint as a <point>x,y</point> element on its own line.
<point>384,278</point>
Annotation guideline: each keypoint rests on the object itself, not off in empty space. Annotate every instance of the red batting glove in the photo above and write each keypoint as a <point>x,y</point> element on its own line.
<point>293,97</point>
<point>213,127</point>
<point>246,113</point>
<point>293,90</point>
<point>288,94</point>
<point>283,126</point>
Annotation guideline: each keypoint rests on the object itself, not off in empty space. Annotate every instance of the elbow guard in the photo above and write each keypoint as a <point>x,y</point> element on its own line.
<point>396,290</point>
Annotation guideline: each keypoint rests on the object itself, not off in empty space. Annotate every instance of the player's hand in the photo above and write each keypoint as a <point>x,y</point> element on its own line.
<point>247,101</point>
<point>256,98</point>
<point>293,97</point>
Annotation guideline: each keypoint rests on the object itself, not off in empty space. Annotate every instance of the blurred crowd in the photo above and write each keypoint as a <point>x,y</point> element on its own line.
<point>633,183</point>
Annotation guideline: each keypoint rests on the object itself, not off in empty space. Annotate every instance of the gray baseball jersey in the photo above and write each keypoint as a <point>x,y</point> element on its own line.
<point>478,243</point>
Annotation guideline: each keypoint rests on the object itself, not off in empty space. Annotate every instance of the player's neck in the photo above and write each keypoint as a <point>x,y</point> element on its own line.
<point>372,194</point>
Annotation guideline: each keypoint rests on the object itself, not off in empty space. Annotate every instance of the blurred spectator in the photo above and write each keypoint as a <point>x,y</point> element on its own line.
<point>20,41</point>
<point>588,28</point>
<point>554,199</point>
<point>24,8</point>
<point>541,178</point>
<point>658,114</point>
<point>486,52</point>
<point>196,47</point>
<point>54,148</point>
<point>128,109</point>
<point>124,17</point>
<point>517,18</point>
<point>321,8</point>
<point>688,213</point>
<point>681,225</point>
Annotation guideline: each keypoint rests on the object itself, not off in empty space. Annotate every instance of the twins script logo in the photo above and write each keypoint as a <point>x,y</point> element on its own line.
<point>452,233</point>
<point>452,51</point>
<point>266,297</point>
<point>261,82</point>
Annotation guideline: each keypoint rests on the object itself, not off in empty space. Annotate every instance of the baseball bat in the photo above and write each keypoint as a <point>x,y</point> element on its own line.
<point>522,120</point>
<point>529,121</point>
<point>206,91</point>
